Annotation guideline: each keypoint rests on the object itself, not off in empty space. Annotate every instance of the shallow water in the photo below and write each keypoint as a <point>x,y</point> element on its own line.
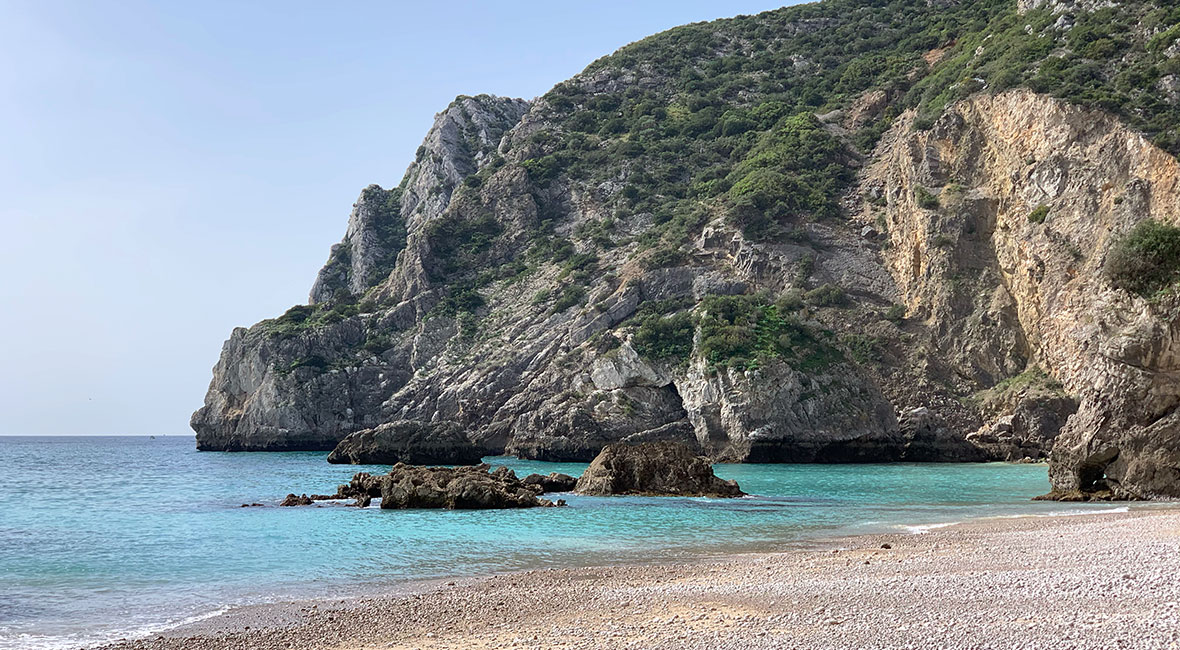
<point>104,537</point>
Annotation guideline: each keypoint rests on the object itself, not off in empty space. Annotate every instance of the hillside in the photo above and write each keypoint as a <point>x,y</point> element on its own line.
<point>847,231</point>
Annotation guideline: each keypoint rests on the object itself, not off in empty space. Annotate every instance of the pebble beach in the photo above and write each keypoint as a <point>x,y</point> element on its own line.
<point>1088,581</point>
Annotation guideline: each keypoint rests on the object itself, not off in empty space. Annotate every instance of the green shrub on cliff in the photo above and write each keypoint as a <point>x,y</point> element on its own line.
<point>1146,259</point>
<point>456,242</point>
<point>744,332</point>
<point>665,337</point>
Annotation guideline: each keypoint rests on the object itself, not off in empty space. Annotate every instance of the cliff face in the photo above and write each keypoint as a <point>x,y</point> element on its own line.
<point>1001,290</point>
<point>652,253</point>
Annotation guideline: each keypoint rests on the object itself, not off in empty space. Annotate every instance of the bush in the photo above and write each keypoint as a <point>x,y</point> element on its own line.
<point>663,257</point>
<point>826,295</point>
<point>1146,259</point>
<point>895,313</point>
<point>665,337</point>
<point>572,295</point>
<point>926,200</point>
<point>1038,215</point>
<point>743,332</point>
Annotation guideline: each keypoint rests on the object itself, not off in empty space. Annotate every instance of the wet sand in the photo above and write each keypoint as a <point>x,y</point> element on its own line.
<point>1090,581</point>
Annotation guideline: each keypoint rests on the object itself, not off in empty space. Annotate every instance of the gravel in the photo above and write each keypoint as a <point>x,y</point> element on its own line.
<point>1084,582</point>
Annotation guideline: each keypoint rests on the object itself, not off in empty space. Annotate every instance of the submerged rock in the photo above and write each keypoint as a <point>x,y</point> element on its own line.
<point>404,441</point>
<point>653,469</point>
<point>554,482</point>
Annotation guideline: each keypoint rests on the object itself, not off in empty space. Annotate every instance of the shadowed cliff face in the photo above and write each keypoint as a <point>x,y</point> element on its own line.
<point>772,290</point>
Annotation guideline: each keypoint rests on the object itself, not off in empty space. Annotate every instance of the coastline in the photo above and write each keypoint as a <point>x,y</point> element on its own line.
<point>1069,580</point>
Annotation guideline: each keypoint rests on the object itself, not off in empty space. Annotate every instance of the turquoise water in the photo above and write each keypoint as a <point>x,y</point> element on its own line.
<point>105,537</point>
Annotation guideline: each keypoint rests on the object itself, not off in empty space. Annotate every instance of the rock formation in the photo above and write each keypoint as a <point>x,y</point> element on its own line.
<point>553,482</point>
<point>460,488</point>
<point>653,469</point>
<point>677,245</point>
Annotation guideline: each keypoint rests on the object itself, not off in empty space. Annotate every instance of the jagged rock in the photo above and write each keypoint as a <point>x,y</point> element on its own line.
<point>554,482</point>
<point>405,441</point>
<point>460,488</point>
<point>293,500</point>
<point>362,485</point>
<point>653,469</point>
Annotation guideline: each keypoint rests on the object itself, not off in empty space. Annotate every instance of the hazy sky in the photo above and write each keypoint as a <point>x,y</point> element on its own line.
<point>171,170</point>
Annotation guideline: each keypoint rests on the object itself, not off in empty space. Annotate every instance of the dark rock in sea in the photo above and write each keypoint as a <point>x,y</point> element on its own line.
<point>363,501</point>
<point>653,469</point>
<point>301,500</point>
<point>362,484</point>
<point>554,482</point>
<point>1099,493</point>
<point>250,505</point>
<point>457,488</point>
<point>405,441</point>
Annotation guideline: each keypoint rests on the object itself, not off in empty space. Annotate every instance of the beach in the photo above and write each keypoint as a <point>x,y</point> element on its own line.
<point>1084,581</point>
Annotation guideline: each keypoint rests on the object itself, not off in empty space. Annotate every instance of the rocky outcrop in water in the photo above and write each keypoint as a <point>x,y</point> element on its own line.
<point>653,469</point>
<point>459,488</point>
<point>296,500</point>
<point>553,482</point>
<point>408,441</point>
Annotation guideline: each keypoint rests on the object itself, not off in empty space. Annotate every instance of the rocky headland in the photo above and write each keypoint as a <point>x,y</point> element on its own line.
<point>840,232</point>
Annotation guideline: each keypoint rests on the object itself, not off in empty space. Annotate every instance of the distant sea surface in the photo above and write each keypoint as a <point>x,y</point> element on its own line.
<point>107,537</point>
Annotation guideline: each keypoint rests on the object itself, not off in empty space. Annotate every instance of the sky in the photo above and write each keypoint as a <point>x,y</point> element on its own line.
<point>172,170</point>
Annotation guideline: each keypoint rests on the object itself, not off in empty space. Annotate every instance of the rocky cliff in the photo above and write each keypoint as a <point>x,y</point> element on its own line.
<point>830,233</point>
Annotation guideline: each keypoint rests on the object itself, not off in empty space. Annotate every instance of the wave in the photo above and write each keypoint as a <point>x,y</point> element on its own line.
<point>26,641</point>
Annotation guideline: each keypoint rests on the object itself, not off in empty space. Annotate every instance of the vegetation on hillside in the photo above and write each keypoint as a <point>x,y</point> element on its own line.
<point>1146,260</point>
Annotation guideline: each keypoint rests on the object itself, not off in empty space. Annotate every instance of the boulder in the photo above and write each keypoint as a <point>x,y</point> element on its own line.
<point>406,441</point>
<point>554,482</point>
<point>653,469</point>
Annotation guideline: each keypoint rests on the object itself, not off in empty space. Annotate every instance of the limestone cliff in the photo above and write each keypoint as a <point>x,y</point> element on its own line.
<point>679,244</point>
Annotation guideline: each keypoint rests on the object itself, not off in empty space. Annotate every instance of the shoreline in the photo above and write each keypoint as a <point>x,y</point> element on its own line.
<point>716,601</point>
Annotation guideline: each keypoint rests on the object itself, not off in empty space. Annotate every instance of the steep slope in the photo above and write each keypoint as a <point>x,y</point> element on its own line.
<point>824,233</point>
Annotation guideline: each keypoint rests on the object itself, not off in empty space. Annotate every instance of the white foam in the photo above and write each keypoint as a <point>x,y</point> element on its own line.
<point>922,529</point>
<point>26,641</point>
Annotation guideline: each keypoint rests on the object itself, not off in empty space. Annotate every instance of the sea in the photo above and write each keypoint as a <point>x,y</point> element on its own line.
<point>104,538</point>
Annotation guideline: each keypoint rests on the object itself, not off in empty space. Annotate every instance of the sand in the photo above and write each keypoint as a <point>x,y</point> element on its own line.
<point>1091,581</point>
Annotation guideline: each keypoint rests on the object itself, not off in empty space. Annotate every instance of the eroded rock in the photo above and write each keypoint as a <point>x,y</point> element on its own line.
<point>459,488</point>
<point>653,469</point>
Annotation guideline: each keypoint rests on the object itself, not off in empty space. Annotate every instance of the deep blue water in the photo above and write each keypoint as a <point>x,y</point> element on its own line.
<point>103,537</point>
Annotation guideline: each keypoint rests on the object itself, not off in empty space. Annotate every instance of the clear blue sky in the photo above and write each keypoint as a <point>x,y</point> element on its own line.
<point>171,170</point>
